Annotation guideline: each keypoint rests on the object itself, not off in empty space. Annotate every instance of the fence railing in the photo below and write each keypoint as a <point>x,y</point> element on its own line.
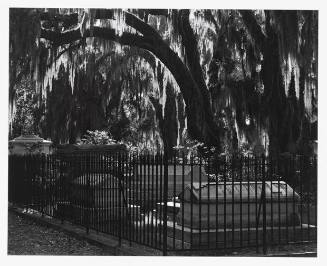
<point>174,204</point>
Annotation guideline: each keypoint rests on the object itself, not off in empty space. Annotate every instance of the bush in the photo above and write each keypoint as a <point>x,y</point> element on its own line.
<point>97,137</point>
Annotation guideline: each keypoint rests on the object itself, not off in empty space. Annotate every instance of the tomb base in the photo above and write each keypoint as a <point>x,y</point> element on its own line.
<point>184,238</point>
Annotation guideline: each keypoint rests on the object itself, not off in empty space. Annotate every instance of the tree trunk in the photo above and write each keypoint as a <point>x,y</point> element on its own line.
<point>169,130</point>
<point>274,92</point>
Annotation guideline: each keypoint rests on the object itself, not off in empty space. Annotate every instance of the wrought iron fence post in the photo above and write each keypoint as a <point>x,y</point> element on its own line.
<point>88,198</point>
<point>264,226</point>
<point>120,191</point>
<point>28,165</point>
<point>165,198</point>
<point>43,183</point>
<point>60,186</point>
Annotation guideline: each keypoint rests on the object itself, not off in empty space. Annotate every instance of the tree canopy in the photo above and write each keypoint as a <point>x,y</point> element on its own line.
<point>227,78</point>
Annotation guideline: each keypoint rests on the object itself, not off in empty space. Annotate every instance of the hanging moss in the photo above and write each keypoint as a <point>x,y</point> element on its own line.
<point>240,63</point>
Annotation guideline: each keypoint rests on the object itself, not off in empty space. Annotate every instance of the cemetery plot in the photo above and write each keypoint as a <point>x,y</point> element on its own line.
<point>128,198</point>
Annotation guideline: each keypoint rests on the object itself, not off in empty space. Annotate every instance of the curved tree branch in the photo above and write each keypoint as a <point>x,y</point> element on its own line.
<point>200,120</point>
<point>193,61</point>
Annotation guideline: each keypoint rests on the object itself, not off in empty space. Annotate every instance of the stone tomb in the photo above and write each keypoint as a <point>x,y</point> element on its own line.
<point>102,199</point>
<point>213,212</point>
<point>235,205</point>
<point>29,144</point>
<point>148,181</point>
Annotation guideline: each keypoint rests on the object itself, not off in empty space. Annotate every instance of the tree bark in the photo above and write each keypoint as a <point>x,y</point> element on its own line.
<point>274,103</point>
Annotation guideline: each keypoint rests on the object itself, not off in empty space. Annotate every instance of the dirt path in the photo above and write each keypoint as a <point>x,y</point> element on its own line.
<point>25,237</point>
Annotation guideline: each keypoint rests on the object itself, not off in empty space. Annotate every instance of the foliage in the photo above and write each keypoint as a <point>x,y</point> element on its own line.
<point>150,76</point>
<point>26,110</point>
<point>24,48</point>
<point>97,137</point>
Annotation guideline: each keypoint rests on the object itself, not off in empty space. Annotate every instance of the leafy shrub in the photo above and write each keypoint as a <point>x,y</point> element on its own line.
<point>97,137</point>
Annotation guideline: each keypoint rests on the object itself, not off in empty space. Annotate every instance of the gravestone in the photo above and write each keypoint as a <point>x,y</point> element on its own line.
<point>101,196</point>
<point>29,144</point>
<point>223,214</point>
<point>227,205</point>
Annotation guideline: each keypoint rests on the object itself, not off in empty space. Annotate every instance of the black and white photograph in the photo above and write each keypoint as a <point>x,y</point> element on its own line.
<point>162,131</point>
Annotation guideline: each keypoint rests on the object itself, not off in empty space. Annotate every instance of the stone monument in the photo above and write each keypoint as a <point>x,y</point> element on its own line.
<point>29,144</point>
<point>218,214</point>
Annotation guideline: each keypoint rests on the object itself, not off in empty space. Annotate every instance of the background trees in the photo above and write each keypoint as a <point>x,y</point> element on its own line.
<point>227,78</point>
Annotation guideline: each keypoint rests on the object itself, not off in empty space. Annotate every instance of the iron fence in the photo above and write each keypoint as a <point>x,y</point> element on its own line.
<point>174,204</point>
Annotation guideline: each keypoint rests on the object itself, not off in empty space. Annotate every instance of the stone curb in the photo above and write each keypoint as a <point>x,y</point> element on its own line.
<point>304,254</point>
<point>111,244</point>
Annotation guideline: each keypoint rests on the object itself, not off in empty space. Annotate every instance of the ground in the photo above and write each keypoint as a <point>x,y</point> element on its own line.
<point>25,237</point>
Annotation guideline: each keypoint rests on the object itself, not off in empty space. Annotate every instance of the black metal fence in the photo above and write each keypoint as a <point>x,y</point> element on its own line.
<point>174,204</point>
